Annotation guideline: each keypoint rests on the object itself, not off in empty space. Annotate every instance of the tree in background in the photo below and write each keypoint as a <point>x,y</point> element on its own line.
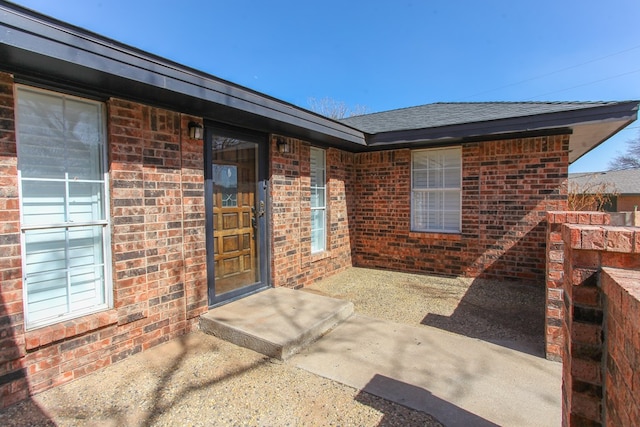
<point>334,109</point>
<point>630,159</point>
<point>592,195</point>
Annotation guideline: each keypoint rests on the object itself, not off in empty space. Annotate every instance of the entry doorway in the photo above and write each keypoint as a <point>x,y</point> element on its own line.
<point>235,199</point>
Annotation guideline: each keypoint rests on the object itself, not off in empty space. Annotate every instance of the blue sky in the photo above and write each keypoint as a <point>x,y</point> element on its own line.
<point>391,54</point>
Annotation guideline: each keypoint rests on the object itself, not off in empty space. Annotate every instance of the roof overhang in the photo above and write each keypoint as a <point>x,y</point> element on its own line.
<point>588,127</point>
<point>39,49</point>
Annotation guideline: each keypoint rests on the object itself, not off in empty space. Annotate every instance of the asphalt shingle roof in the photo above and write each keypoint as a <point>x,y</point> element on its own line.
<point>624,181</point>
<point>447,114</point>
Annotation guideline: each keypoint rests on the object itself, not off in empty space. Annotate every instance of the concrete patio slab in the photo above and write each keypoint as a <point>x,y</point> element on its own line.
<point>276,322</point>
<point>459,380</point>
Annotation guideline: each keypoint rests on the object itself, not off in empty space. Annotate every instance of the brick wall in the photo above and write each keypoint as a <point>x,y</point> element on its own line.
<point>601,326</point>
<point>292,263</point>
<point>158,247</point>
<point>554,318</point>
<point>13,383</point>
<point>508,186</point>
<point>622,378</point>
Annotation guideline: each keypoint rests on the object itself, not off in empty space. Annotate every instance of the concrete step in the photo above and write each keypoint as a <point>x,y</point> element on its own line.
<point>278,322</point>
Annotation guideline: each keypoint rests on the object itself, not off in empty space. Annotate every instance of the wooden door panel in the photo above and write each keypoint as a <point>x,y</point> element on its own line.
<point>235,257</point>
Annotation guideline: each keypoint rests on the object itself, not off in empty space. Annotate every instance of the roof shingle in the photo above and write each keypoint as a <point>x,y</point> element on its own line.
<point>624,181</point>
<point>447,114</point>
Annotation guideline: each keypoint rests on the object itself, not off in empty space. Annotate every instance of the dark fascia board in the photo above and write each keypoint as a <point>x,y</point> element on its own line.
<point>451,141</point>
<point>35,46</point>
<point>622,111</point>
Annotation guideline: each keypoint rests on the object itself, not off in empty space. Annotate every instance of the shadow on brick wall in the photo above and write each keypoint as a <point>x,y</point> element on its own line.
<point>14,386</point>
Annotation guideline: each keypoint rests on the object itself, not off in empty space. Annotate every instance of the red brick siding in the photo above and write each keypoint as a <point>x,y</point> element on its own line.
<point>627,203</point>
<point>622,378</point>
<point>508,186</point>
<point>13,384</point>
<point>158,250</point>
<point>601,325</point>
<point>293,265</point>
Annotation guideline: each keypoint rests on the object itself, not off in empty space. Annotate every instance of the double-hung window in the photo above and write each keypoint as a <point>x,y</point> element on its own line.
<point>64,209</point>
<point>436,190</point>
<point>318,201</point>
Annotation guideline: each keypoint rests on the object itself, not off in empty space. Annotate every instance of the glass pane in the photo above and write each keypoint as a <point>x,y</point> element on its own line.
<point>43,202</point>
<point>436,211</point>
<point>58,135</point>
<point>86,201</point>
<point>451,177</point>
<point>64,271</point>
<point>419,179</point>
<point>225,178</point>
<point>40,134</point>
<point>85,246</point>
<point>318,197</point>
<point>434,178</point>
<point>318,225</point>
<point>46,275</point>
<point>237,214</point>
<point>83,140</point>
<point>451,201</point>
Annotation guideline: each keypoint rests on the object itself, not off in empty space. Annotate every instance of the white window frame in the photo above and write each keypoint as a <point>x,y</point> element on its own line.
<point>104,223</point>
<point>445,188</point>
<point>321,168</point>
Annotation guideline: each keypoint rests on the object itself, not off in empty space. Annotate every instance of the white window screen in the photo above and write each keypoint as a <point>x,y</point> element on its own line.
<point>61,163</point>
<point>435,190</point>
<point>318,201</point>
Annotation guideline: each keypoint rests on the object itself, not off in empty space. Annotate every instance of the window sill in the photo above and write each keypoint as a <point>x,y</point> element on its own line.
<point>435,236</point>
<point>60,331</point>
<point>319,256</point>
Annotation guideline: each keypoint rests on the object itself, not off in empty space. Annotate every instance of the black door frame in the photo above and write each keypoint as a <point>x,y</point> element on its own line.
<point>262,233</point>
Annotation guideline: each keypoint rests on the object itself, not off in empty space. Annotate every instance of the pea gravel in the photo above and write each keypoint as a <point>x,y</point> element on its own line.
<point>199,380</point>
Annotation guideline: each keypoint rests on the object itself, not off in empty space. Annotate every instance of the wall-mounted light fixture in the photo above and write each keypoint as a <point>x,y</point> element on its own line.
<point>283,145</point>
<point>195,130</point>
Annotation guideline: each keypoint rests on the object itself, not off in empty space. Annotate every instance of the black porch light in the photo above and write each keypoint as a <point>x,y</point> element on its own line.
<point>283,145</point>
<point>195,130</point>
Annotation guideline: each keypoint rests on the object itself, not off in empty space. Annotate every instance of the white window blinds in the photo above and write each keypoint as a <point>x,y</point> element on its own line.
<point>435,190</point>
<point>63,187</point>
<point>318,201</point>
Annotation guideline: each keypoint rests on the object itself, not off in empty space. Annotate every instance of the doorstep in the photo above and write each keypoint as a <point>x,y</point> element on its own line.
<point>277,322</point>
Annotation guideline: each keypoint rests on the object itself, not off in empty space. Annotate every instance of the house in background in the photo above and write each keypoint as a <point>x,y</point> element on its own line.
<point>137,193</point>
<point>622,187</point>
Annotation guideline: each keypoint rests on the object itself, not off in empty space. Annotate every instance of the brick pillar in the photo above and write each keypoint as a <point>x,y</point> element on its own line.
<point>589,248</point>
<point>554,338</point>
<point>13,382</point>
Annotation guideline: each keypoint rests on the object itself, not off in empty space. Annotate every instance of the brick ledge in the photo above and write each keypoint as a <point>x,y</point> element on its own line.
<point>69,328</point>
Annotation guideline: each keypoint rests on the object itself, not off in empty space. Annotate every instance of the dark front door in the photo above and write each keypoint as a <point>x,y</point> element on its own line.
<point>236,213</point>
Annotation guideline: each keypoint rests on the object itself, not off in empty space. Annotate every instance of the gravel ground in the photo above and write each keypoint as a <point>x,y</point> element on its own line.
<point>502,312</point>
<point>199,380</point>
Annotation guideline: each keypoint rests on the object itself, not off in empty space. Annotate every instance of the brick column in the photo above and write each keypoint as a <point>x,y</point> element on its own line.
<point>596,352</point>
<point>554,341</point>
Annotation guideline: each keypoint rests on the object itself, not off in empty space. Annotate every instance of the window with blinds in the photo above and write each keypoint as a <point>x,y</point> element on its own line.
<point>318,201</point>
<point>436,177</point>
<point>63,194</point>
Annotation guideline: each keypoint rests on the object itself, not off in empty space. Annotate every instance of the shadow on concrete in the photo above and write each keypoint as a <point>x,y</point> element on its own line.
<point>510,314</point>
<point>417,398</point>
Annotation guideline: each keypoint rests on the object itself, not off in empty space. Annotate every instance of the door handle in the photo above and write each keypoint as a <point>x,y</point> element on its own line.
<point>261,209</point>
